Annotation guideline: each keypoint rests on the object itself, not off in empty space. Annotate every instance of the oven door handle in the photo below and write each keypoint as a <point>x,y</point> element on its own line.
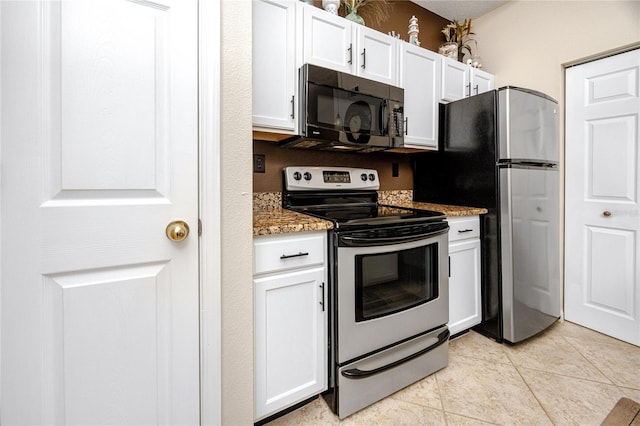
<point>355,373</point>
<point>350,241</point>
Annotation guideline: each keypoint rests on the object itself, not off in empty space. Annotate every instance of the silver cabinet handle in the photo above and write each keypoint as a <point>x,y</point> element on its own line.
<point>322,301</point>
<point>469,89</point>
<point>462,231</point>
<point>406,125</point>
<point>350,50</point>
<point>364,58</point>
<point>293,106</point>
<point>476,89</point>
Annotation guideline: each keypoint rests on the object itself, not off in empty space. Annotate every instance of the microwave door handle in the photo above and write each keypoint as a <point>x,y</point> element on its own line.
<point>383,115</point>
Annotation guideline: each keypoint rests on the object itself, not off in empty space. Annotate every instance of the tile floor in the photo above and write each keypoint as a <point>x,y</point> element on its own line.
<point>568,375</point>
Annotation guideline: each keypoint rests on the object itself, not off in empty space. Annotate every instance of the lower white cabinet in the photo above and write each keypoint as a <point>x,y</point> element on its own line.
<point>290,321</point>
<point>465,309</point>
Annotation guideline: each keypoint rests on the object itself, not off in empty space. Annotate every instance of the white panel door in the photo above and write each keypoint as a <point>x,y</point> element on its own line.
<point>99,154</point>
<point>602,266</point>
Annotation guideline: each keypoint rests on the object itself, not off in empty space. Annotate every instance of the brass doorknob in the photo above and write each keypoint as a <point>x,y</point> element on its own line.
<point>177,230</point>
<point>606,213</point>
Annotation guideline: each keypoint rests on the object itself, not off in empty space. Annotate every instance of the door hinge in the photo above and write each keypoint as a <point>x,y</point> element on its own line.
<point>199,227</point>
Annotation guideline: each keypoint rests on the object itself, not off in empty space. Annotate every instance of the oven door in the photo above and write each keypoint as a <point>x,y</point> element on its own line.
<point>389,289</point>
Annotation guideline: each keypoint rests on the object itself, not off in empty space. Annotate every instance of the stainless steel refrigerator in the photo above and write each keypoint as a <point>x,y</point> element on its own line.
<point>499,150</point>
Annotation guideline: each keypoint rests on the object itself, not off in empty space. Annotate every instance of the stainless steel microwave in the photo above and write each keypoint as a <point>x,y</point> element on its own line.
<point>340,111</point>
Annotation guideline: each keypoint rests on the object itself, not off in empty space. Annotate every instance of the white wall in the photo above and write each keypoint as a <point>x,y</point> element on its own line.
<point>525,43</point>
<point>236,216</point>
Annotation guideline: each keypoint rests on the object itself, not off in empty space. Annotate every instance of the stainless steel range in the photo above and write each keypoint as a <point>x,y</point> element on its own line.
<point>388,293</point>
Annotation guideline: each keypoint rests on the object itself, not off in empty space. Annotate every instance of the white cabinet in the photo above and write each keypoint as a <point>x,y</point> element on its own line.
<point>481,81</point>
<point>460,80</point>
<point>465,308</point>
<point>377,57</point>
<point>339,44</point>
<point>420,78</point>
<point>275,66</point>
<point>290,320</point>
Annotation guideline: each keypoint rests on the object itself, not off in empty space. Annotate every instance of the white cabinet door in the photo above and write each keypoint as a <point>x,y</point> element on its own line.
<point>290,339</point>
<point>377,55</point>
<point>464,285</point>
<point>481,81</point>
<point>275,77</point>
<point>420,79</point>
<point>455,80</point>
<point>602,230</point>
<point>465,308</point>
<point>328,40</point>
<point>100,310</point>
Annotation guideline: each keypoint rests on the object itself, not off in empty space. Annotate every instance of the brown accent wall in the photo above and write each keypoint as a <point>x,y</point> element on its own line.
<point>277,158</point>
<point>401,11</point>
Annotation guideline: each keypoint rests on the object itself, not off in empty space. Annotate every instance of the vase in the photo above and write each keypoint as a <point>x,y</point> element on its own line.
<point>352,15</point>
<point>331,6</point>
<point>449,49</point>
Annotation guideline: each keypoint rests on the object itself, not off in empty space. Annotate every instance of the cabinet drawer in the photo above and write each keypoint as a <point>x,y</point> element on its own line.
<point>276,253</point>
<point>463,228</point>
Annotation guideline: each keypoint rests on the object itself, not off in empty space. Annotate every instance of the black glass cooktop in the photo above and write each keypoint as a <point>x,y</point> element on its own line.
<point>369,214</point>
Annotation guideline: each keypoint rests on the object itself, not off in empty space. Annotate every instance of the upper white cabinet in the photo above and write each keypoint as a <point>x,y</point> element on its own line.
<point>459,80</point>
<point>481,81</point>
<point>339,44</point>
<point>328,40</point>
<point>420,77</point>
<point>377,55</point>
<point>275,65</point>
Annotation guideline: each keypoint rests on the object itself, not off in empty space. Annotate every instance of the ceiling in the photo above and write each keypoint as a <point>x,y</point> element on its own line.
<point>459,9</point>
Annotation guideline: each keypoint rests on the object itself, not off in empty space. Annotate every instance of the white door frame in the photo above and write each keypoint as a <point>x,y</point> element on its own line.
<point>209,213</point>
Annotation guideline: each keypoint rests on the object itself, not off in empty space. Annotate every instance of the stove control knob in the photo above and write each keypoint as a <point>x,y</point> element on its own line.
<point>297,176</point>
<point>372,177</point>
<point>363,177</point>
<point>307,176</point>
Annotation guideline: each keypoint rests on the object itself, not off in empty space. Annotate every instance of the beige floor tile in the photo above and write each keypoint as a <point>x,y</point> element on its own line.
<point>619,362</point>
<point>315,413</point>
<point>488,391</point>
<point>571,401</point>
<point>391,412</point>
<point>475,345</point>
<point>553,353</point>
<point>570,329</point>
<point>456,420</point>
<point>425,392</point>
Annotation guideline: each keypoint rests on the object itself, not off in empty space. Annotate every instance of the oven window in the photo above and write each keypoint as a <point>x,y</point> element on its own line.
<point>391,282</point>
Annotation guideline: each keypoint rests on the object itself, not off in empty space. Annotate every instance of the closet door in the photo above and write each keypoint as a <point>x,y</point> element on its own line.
<point>602,226</point>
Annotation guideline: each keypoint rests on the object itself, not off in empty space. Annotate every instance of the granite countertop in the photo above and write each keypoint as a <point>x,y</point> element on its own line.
<point>282,221</point>
<point>270,218</point>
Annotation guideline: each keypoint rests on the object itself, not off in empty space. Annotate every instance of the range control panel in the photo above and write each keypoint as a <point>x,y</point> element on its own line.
<point>308,178</point>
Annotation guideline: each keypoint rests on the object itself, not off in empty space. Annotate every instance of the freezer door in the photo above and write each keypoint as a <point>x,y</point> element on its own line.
<point>527,126</point>
<point>529,238</point>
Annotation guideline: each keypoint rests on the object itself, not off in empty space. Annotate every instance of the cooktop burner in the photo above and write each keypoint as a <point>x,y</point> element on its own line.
<point>346,196</point>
